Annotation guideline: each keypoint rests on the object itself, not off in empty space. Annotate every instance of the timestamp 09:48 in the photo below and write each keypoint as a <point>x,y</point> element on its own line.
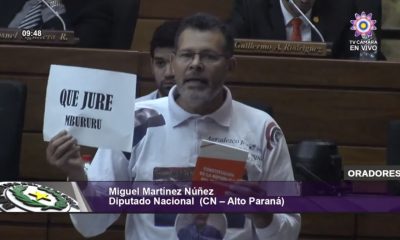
<point>31,33</point>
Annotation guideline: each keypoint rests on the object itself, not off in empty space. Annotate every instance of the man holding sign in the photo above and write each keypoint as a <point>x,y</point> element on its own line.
<point>88,103</point>
<point>171,129</point>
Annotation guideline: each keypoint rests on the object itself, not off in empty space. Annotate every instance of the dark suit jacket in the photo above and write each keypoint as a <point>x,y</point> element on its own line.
<point>97,23</point>
<point>263,19</point>
<point>103,23</point>
<point>9,8</point>
<point>374,7</point>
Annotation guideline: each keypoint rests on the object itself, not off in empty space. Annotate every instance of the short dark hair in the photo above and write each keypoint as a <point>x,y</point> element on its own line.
<point>164,36</point>
<point>207,22</point>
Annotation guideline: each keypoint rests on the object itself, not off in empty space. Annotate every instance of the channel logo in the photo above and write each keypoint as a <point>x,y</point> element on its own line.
<point>363,25</point>
<point>32,197</point>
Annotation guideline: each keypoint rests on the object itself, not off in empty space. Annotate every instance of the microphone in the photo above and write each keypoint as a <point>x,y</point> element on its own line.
<point>308,20</point>
<point>55,13</point>
<point>327,189</point>
<point>319,162</point>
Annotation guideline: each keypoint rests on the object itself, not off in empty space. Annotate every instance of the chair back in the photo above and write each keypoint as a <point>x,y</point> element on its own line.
<point>12,108</point>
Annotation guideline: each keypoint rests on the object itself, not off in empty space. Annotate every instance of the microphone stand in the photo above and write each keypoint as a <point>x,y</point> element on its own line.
<point>308,20</point>
<point>56,14</point>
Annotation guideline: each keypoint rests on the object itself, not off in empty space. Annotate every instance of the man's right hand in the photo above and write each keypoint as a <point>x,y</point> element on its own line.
<point>64,153</point>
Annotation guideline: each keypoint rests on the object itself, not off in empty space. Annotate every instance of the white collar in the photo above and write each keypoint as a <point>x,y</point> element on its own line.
<point>178,115</point>
<point>288,16</point>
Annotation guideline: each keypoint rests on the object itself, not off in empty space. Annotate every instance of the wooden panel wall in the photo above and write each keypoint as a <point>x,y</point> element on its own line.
<point>23,226</point>
<point>152,13</point>
<point>60,228</point>
<point>173,9</point>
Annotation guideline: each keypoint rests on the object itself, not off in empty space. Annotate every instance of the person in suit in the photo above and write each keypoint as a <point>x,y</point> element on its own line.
<point>97,23</point>
<point>271,19</point>
<point>103,23</point>
<point>374,7</point>
<point>12,13</point>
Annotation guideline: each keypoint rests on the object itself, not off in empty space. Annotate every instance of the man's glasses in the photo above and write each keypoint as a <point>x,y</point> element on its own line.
<point>206,57</point>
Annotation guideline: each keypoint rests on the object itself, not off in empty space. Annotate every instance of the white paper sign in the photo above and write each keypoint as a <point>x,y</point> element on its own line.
<point>95,106</point>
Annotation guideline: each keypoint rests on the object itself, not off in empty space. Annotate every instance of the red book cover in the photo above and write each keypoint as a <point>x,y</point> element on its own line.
<point>219,162</point>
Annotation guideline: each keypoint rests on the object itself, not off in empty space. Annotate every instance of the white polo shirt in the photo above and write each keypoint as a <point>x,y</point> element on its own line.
<point>151,96</point>
<point>168,136</point>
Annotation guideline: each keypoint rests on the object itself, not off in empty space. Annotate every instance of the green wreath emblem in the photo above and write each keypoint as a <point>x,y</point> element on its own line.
<point>19,194</point>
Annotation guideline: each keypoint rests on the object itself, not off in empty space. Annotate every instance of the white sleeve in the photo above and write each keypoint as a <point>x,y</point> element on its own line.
<point>93,224</point>
<point>107,165</point>
<point>278,167</point>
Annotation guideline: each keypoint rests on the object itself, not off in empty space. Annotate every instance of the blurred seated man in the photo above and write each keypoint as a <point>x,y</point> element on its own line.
<point>103,23</point>
<point>97,23</point>
<point>32,14</point>
<point>280,20</point>
<point>161,52</point>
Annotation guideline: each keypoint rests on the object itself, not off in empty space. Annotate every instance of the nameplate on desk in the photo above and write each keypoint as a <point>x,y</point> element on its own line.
<point>282,48</point>
<point>37,37</point>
